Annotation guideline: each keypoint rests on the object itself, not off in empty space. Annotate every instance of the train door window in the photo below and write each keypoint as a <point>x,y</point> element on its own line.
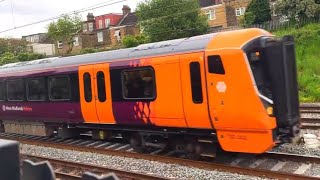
<point>196,87</point>
<point>2,91</point>
<point>87,87</point>
<point>101,87</point>
<point>15,90</point>
<point>36,89</point>
<point>215,65</point>
<point>139,84</point>
<point>59,88</point>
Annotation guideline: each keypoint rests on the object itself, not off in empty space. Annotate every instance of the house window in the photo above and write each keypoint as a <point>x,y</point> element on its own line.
<point>100,36</point>
<point>117,34</point>
<point>85,28</point>
<point>211,14</point>
<point>139,84</point>
<point>36,39</point>
<point>107,22</point>
<point>60,44</point>
<point>100,24</point>
<point>90,26</point>
<point>76,41</point>
<point>240,11</point>
<point>273,8</point>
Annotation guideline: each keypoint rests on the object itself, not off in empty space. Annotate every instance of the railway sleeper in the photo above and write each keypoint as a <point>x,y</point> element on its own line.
<point>28,128</point>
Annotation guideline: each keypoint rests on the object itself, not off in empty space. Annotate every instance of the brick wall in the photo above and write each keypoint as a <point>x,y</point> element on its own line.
<point>220,19</point>
<point>231,6</point>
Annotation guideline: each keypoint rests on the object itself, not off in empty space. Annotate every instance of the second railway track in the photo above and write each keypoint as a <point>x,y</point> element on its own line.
<point>119,149</point>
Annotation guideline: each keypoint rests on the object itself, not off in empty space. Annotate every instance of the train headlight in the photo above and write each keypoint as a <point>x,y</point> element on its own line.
<point>270,110</point>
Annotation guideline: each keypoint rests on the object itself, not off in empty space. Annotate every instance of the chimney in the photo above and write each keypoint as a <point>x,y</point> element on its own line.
<point>90,17</point>
<point>126,9</point>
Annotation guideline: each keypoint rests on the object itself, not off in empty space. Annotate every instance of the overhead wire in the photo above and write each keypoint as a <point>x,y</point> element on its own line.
<point>70,13</point>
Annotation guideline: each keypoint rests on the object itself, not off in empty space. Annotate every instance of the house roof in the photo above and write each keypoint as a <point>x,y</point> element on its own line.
<point>206,3</point>
<point>129,19</point>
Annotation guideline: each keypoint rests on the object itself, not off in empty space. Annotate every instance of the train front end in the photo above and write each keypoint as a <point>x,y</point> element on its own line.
<point>273,65</point>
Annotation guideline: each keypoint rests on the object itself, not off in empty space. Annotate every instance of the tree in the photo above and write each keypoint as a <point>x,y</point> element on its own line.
<point>65,30</point>
<point>171,19</point>
<point>12,45</point>
<point>297,8</point>
<point>257,12</point>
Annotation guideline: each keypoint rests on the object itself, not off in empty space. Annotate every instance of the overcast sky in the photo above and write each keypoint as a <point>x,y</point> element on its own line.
<point>29,11</point>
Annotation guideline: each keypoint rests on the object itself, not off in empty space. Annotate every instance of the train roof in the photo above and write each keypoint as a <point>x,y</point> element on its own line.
<point>196,43</point>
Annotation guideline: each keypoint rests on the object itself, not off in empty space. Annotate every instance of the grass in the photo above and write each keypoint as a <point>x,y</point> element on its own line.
<point>307,40</point>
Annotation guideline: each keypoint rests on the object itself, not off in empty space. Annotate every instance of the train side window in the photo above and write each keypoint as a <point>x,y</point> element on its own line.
<point>196,87</point>
<point>36,89</point>
<point>59,88</point>
<point>215,65</point>
<point>87,87</point>
<point>139,84</point>
<point>101,87</point>
<point>2,91</point>
<point>15,90</point>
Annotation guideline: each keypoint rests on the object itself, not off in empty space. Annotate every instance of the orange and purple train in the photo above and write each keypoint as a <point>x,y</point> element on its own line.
<point>236,90</point>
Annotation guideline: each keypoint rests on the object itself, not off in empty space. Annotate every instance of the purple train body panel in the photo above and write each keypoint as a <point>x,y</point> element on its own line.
<point>65,112</point>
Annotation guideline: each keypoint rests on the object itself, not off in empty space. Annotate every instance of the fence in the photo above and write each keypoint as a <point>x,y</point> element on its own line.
<point>286,23</point>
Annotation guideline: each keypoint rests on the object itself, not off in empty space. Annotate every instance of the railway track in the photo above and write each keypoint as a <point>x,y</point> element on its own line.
<point>310,122</point>
<point>73,171</point>
<point>254,164</point>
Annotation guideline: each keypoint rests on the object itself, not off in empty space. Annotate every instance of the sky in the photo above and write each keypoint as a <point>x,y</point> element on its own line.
<point>15,13</point>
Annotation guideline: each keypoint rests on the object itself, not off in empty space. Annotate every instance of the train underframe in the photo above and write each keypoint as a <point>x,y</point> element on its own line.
<point>192,143</point>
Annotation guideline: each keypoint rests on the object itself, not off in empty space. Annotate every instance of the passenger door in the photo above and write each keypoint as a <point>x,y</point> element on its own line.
<point>95,94</point>
<point>103,94</point>
<point>87,94</point>
<point>216,85</point>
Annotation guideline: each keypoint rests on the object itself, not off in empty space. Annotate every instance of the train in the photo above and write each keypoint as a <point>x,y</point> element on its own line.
<point>235,91</point>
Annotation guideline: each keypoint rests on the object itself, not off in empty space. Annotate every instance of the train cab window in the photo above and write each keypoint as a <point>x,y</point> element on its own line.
<point>2,91</point>
<point>87,87</point>
<point>215,65</point>
<point>15,90</point>
<point>36,89</point>
<point>59,88</point>
<point>196,87</point>
<point>101,87</point>
<point>139,84</point>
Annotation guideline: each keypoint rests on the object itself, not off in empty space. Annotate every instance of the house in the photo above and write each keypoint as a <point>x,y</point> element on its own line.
<point>40,43</point>
<point>216,13</point>
<point>103,31</point>
<point>235,10</point>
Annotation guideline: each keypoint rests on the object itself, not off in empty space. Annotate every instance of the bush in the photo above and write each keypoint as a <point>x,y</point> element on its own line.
<point>29,56</point>
<point>133,41</point>
<point>7,57</point>
<point>307,41</point>
<point>88,50</point>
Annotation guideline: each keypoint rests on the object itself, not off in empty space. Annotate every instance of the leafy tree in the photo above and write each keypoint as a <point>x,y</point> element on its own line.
<point>171,19</point>
<point>297,8</point>
<point>65,29</point>
<point>133,41</point>
<point>257,12</point>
